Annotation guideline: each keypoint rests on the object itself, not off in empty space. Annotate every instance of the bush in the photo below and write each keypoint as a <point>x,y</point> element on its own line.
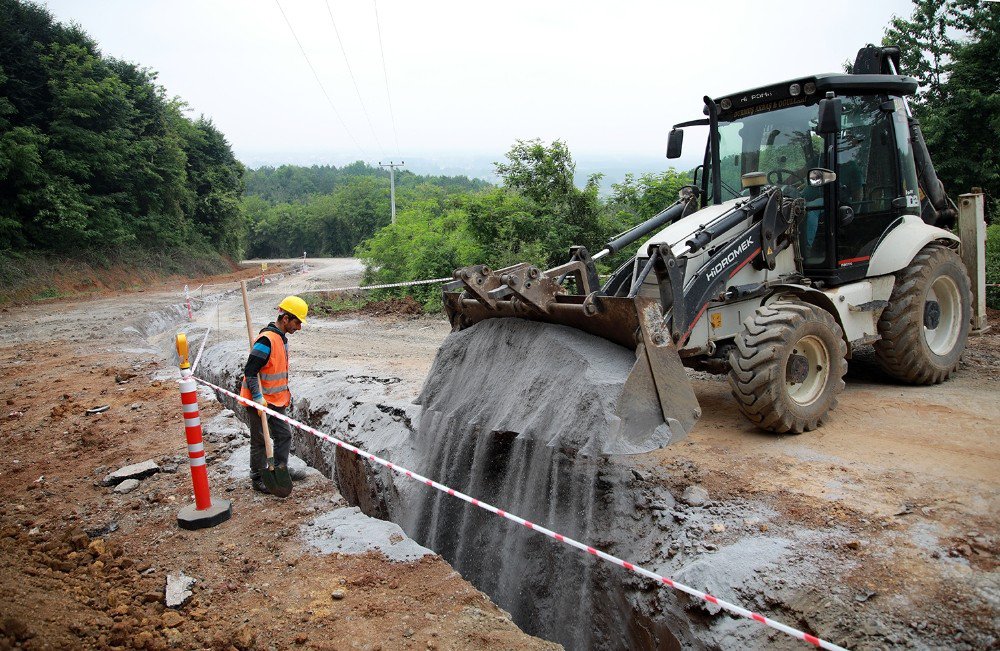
<point>993,266</point>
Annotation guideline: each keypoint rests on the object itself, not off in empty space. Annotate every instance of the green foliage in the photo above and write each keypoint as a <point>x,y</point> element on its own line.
<point>535,217</point>
<point>564,214</point>
<point>425,242</point>
<point>953,49</point>
<point>635,200</point>
<point>326,211</point>
<point>93,154</point>
<point>993,266</point>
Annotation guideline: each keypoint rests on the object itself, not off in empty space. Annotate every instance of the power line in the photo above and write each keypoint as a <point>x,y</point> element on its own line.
<point>318,81</point>
<point>385,73</point>
<point>357,90</point>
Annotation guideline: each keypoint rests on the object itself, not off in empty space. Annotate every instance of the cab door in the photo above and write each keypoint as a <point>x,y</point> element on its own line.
<point>876,179</point>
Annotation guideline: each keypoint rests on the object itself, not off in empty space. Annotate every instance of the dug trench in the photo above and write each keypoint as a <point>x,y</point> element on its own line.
<point>731,543</point>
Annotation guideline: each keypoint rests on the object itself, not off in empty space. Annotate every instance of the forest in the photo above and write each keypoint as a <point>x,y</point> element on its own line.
<point>94,155</point>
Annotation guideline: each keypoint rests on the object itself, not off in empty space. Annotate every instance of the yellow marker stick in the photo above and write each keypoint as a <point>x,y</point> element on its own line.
<point>182,350</point>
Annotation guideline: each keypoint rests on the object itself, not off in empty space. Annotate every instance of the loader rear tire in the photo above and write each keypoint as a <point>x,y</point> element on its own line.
<point>788,366</point>
<point>926,325</point>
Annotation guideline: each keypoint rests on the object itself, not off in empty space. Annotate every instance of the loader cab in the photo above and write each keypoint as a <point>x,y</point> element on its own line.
<point>775,130</point>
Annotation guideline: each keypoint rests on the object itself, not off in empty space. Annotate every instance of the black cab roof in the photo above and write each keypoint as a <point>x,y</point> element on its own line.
<point>808,90</point>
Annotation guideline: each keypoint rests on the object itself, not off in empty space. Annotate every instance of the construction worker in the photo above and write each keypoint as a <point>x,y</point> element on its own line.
<point>265,380</point>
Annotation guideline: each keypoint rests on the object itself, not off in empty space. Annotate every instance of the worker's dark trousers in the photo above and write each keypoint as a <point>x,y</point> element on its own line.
<point>281,436</point>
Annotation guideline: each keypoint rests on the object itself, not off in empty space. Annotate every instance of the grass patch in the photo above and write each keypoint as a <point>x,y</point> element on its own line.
<point>993,266</point>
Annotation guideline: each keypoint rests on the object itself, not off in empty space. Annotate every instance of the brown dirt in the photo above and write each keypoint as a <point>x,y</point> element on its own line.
<point>85,282</point>
<point>258,586</point>
<point>911,474</point>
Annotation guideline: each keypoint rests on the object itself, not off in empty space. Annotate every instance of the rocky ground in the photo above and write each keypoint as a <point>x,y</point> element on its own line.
<point>881,528</point>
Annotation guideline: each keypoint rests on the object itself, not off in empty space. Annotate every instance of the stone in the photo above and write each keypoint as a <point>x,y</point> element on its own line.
<point>172,619</point>
<point>127,486</point>
<point>133,471</point>
<point>694,495</point>
<point>337,595</point>
<point>178,590</point>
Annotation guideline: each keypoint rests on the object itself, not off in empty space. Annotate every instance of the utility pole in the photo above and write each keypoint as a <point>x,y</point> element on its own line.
<point>392,183</point>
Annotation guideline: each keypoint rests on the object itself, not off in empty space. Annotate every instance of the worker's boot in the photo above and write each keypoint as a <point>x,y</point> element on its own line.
<point>258,484</point>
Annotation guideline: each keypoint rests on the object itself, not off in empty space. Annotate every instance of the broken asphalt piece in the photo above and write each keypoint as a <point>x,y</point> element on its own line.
<point>178,590</point>
<point>134,471</point>
<point>695,495</point>
<point>127,486</point>
<point>102,531</point>
<point>98,410</point>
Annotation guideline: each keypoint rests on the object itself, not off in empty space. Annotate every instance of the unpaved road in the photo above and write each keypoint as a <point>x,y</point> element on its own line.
<point>909,474</point>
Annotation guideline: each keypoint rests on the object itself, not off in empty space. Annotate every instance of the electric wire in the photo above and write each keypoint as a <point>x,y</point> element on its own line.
<point>354,81</point>
<point>318,81</point>
<point>385,73</point>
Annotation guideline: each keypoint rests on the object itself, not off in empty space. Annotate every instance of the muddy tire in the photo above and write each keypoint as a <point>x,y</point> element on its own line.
<point>788,366</point>
<point>926,325</point>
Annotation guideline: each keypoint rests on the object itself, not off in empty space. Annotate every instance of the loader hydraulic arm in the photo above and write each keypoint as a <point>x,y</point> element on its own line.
<point>683,303</point>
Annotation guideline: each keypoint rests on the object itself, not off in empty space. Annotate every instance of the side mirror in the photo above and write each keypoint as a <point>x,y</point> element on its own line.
<point>819,177</point>
<point>830,111</point>
<point>674,142</point>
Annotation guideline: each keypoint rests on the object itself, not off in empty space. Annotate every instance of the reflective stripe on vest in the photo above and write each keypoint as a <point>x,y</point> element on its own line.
<point>274,374</point>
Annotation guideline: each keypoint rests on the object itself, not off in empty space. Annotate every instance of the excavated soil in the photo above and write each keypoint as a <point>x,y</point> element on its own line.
<point>878,530</point>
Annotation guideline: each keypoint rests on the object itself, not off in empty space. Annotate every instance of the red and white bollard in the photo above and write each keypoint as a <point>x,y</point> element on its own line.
<point>187,299</point>
<point>205,512</point>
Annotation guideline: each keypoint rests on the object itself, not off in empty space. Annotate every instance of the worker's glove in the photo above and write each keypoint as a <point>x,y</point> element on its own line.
<point>260,401</point>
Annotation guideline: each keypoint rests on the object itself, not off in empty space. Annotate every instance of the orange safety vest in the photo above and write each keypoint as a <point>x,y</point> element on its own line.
<point>274,375</point>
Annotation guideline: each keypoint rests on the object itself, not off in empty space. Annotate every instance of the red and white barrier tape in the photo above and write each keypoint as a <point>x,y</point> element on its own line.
<point>410,283</point>
<point>197,358</point>
<point>704,596</point>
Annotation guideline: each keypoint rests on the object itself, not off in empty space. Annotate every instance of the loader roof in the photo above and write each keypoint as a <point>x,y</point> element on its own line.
<point>808,90</point>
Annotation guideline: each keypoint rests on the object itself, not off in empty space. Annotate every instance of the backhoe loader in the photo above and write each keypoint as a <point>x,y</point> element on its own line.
<point>811,228</point>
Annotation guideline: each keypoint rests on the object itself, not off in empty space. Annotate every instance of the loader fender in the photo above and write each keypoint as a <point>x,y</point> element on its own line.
<point>902,244</point>
<point>856,306</point>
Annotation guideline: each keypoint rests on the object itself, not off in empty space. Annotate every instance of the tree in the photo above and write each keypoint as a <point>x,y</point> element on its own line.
<point>93,154</point>
<point>953,49</point>
<point>566,214</point>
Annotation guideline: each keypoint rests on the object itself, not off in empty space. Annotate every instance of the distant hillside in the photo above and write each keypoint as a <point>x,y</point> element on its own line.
<point>327,211</point>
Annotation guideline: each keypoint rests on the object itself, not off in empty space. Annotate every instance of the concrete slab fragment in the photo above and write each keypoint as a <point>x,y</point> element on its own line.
<point>349,531</point>
<point>133,471</point>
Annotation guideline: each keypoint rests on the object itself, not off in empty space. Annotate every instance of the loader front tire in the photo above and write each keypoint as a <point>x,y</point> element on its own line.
<point>788,366</point>
<point>926,325</point>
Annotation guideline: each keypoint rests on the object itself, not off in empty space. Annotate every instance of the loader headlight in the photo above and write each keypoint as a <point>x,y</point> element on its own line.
<point>726,104</point>
<point>810,88</point>
<point>794,90</point>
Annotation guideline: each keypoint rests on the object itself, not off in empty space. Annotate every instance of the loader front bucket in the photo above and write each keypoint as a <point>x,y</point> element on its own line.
<point>652,406</point>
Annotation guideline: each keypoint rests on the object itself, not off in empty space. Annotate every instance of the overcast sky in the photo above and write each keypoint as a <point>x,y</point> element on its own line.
<point>466,77</point>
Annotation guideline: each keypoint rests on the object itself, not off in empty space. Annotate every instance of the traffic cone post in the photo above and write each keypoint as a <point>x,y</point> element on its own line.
<point>205,512</point>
